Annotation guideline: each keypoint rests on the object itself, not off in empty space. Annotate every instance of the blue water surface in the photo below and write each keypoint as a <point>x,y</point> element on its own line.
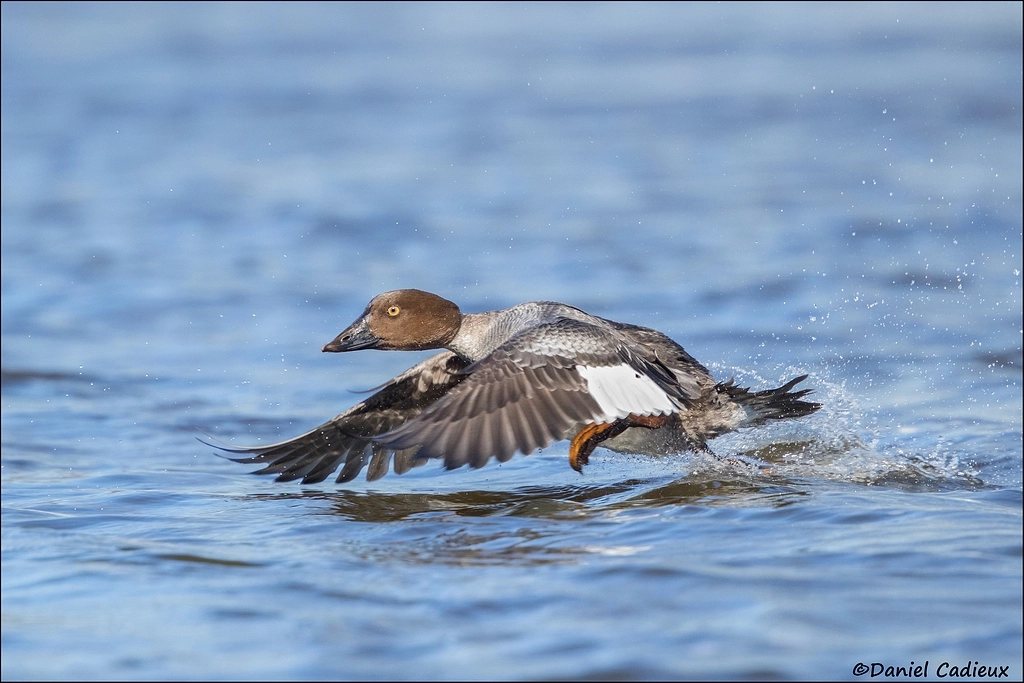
<point>197,197</point>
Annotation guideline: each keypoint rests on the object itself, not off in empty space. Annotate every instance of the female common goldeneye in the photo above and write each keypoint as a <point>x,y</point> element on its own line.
<point>517,380</point>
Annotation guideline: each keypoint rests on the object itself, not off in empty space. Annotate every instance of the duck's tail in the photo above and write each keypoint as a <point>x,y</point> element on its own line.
<point>770,404</point>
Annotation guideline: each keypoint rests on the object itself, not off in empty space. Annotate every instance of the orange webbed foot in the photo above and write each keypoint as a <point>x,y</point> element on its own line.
<point>592,435</point>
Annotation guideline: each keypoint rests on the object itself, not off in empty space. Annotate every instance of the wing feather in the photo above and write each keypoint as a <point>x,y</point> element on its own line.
<point>345,439</point>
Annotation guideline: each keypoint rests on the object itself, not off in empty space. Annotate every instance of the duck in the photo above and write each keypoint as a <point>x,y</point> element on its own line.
<point>514,381</point>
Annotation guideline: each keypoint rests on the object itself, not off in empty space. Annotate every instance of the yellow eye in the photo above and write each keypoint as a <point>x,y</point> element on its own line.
<point>394,310</point>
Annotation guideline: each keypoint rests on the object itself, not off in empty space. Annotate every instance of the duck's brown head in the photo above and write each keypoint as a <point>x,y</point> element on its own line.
<point>402,320</point>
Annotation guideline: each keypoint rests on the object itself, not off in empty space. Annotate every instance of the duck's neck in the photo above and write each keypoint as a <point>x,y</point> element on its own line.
<point>476,337</point>
<point>481,333</point>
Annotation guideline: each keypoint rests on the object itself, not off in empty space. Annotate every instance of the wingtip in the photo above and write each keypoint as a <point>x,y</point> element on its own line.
<point>224,447</point>
<point>214,442</point>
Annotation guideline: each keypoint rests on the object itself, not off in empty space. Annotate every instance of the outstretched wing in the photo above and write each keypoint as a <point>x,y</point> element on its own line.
<point>347,440</point>
<point>535,389</point>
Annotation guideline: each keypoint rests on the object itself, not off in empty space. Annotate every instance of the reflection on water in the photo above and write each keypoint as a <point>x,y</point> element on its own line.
<point>776,475</point>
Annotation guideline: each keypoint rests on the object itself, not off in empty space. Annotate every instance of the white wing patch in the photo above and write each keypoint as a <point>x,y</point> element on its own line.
<point>620,390</point>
